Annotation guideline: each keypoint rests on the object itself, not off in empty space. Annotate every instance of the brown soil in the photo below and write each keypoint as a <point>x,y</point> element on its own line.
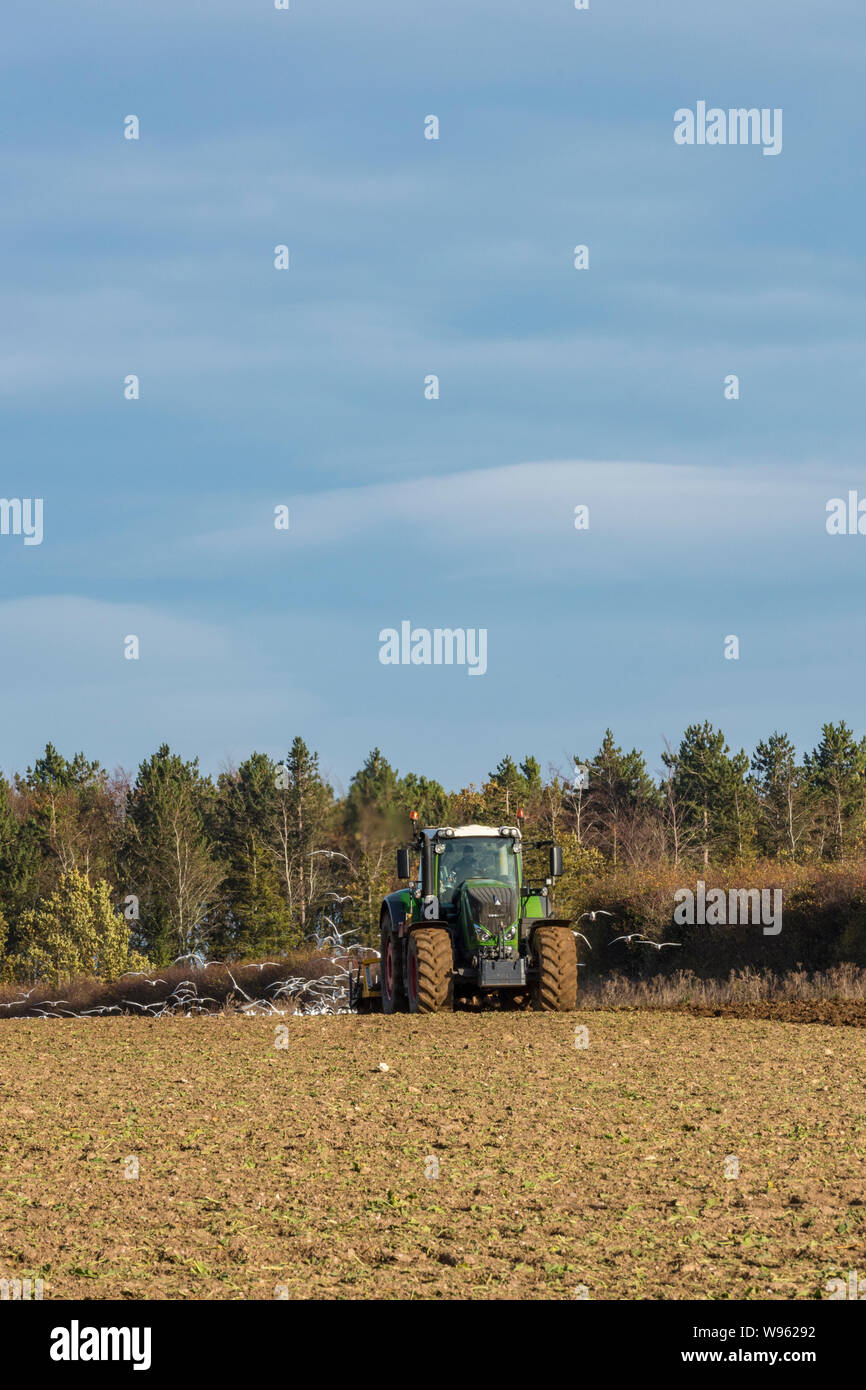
<point>493,1159</point>
<point>849,1013</point>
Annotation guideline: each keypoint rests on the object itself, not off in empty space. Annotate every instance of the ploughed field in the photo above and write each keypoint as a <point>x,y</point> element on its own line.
<point>494,1159</point>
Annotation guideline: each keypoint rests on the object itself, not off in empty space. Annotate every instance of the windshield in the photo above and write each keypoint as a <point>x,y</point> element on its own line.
<point>475,857</point>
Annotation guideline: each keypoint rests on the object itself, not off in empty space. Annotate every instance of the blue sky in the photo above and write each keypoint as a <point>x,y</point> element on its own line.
<point>411,257</point>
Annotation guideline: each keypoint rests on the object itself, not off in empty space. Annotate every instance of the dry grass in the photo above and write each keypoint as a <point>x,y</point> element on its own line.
<point>842,982</point>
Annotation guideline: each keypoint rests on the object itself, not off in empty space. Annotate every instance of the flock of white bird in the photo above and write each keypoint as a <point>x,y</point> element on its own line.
<point>327,993</point>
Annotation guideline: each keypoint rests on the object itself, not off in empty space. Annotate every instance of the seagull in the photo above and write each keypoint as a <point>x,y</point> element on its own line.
<point>196,957</point>
<point>598,912</point>
<point>22,1000</point>
<point>644,941</point>
<point>582,937</point>
<point>235,983</point>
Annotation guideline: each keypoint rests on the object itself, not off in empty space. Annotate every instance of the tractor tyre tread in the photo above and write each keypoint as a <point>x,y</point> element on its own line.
<point>556,988</point>
<point>432,947</point>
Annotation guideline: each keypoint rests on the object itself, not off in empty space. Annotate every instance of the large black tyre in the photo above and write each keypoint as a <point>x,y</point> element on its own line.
<point>430,963</point>
<point>555,990</point>
<point>391,971</point>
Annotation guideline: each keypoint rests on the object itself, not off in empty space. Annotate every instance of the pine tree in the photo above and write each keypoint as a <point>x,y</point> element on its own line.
<point>253,917</point>
<point>620,791</point>
<point>782,796</point>
<point>837,773</point>
<point>305,805</point>
<point>168,856</point>
<point>709,786</point>
<point>70,814</point>
<point>425,796</point>
<point>507,789</point>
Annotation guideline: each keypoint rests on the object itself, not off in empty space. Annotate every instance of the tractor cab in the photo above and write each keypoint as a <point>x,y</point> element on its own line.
<point>470,858</point>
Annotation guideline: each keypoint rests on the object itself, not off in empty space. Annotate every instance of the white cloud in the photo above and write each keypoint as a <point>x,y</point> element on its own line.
<point>644,518</point>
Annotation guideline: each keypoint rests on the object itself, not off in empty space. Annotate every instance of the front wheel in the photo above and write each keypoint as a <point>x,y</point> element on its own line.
<point>430,962</point>
<point>391,971</point>
<point>556,986</point>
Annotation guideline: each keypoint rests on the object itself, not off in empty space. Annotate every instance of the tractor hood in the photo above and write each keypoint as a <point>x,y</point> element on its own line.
<point>487,907</point>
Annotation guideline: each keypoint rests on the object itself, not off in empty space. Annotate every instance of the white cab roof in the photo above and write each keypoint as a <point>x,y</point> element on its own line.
<point>461,831</point>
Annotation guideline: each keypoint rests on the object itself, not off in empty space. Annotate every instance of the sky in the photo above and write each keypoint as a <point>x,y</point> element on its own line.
<point>411,257</point>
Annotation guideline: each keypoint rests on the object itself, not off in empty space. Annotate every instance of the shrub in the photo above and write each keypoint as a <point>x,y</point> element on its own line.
<point>75,931</point>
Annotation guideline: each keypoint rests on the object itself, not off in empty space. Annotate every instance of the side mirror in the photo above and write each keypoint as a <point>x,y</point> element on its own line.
<point>555,861</point>
<point>403,864</point>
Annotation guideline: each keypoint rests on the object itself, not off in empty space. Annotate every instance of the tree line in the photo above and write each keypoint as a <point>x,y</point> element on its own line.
<point>101,869</point>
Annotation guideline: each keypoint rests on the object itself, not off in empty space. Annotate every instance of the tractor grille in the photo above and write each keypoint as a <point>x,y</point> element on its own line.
<point>492,906</point>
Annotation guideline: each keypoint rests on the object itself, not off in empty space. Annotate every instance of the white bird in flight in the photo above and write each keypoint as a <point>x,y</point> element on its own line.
<point>644,940</point>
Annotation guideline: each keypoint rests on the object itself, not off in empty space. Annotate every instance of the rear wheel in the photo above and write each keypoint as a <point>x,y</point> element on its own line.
<point>430,964</point>
<point>556,987</point>
<point>391,970</point>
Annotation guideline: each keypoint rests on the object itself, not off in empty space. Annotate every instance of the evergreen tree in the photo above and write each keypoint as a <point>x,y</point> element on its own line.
<point>620,791</point>
<point>70,816</point>
<point>782,795</point>
<point>373,806</point>
<point>506,790</point>
<point>168,857</point>
<point>374,819</point>
<point>837,773</point>
<point>425,796</point>
<point>709,785</point>
<point>305,802</point>
<point>254,915</point>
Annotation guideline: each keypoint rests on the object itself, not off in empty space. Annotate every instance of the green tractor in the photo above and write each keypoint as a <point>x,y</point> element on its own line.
<point>467,924</point>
